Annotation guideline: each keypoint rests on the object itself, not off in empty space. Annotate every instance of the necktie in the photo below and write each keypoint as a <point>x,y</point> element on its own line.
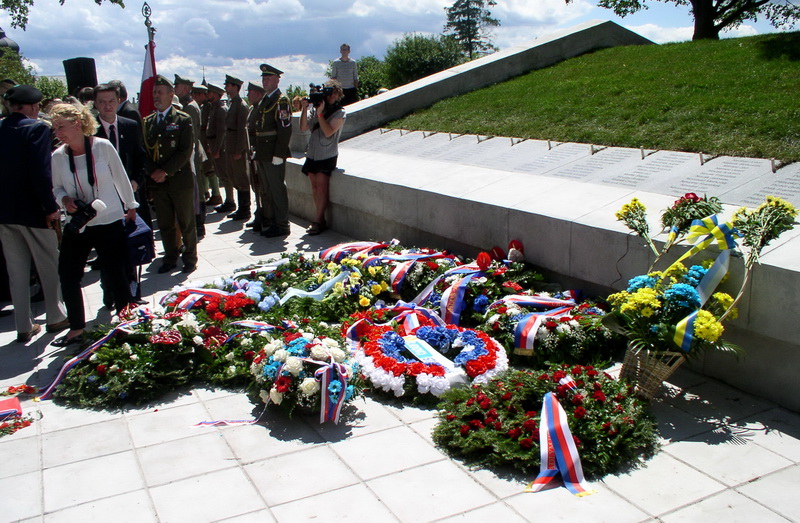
<point>160,118</point>
<point>112,136</point>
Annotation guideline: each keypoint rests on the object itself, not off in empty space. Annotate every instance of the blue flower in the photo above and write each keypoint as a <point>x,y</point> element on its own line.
<point>103,388</point>
<point>271,370</point>
<point>434,300</point>
<point>349,392</point>
<point>640,282</point>
<point>694,275</point>
<point>481,303</point>
<point>91,378</point>
<point>682,295</point>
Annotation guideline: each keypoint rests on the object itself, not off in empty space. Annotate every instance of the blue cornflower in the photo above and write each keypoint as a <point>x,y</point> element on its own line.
<point>481,303</point>
<point>683,296</point>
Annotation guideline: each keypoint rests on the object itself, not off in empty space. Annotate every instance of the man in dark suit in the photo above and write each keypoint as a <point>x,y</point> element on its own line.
<point>126,137</point>
<point>28,211</point>
<point>125,108</point>
<point>169,141</point>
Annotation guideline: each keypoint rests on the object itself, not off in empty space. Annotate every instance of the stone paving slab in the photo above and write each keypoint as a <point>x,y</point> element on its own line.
<point>726,455</point>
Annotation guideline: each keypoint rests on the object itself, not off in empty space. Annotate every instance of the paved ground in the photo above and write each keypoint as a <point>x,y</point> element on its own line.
<point>727,456</point>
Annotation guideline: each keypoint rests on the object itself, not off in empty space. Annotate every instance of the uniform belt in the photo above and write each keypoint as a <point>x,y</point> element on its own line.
<point>264,134</point>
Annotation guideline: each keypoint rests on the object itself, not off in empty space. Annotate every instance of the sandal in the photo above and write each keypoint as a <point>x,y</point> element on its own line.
<point>64,341</point>
<point>316,228</point>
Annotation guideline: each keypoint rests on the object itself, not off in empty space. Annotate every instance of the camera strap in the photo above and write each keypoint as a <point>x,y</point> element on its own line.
<point>89,164</point>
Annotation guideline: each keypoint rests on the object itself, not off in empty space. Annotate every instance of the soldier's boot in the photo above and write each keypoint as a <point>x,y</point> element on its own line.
<point>243,212</point>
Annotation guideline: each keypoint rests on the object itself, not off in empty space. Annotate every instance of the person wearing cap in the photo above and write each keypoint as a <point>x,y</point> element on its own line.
<point>169,142</point>
<point>235,147</point>
<point>183,90</point>
<point>254,95</point>
<point>273,131</point>
<point>28,211</point>
<point>208,180</point>
<point>5,85</point>
<point>215,132</point>
<point>345,70</point>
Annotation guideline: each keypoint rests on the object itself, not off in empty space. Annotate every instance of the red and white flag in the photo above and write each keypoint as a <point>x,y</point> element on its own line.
<point>148,81</point>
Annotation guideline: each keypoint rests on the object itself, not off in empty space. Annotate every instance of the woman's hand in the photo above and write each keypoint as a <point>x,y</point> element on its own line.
<point>304,104</point>
<point>69,204</point>
<point>130,215</point>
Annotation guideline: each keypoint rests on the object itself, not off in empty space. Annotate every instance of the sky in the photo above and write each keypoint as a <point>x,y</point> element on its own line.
<point>218,37</point>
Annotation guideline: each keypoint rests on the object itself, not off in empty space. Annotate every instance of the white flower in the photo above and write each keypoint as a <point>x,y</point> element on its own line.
<point>493,319</point>
<point>264,395</point>
<point>284,285</point>
<point>293,365</point>
<point>189,321</point>
<point>319,353</point>
<point>219,283</point>
<point>330,342</point>
<point>160,325</point>
<point>113,368</point>
<point>280,355</point>
<point>309,386</point>
<point>272,346</point>
<point>245,342</point>
<point>93,358</point>
<point>338,355</point>
<point>543,332</point>
<point>323,325</point>
<point>275,396</point>
<point>197,340</point>
<point>480,280</point>
<point>308,335</point>
<point>513,311</point>
<point>134,357</point>
<point>126,347</point>
<point>229,356</point>
<point>563,328</point>
<point>232,370</point>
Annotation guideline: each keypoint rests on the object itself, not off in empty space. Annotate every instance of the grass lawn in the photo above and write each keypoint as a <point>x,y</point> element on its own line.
<point>737,97</point>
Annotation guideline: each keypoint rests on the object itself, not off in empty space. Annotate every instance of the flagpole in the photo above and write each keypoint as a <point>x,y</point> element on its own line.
<point>149,73</point>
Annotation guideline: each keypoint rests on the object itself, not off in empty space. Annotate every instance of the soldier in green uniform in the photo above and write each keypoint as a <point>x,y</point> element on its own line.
<point>273,129</point>
<point>209,180</point>
<point>183,90</point>
<point>215,133</point>
<point>235,147</point>
<point>169,141</point>
<point>254,95</point>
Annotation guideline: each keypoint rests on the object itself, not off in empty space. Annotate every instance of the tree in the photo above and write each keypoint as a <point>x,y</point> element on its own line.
<point>15,67</point>
<point>51,87</point>
<point>296,90</point>
<point>371,76</point>
<point>469,22</point>
<point>712,16</point>
<point>19,10</point>
<point>415,56</point>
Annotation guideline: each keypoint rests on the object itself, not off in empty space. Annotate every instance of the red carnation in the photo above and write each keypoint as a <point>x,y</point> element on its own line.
<point>599,396</point>
<point>580,412</point>
<point>551,325</point>
<point>577,399</point>
<point>526,443</point>
<point>592,373</point>
<point>464,430</point>
<point>559,375</point>
<point>515,433</point>
<point>101,369</point>
<point>282,384</point>
<point>507,396</point>
<point>450,417</point>
<point>476,424</point>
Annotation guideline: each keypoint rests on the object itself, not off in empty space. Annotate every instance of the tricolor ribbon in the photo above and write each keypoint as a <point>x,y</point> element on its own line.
<point>328,374</point>
<point>408,315</point>
<point>427,291</point>
<point>10,408</point>
<point>525,331</point>
<point>88,352</point>
<point>318,293</point>
<point>452,303</point>
<point>559,455</point>
<point>337,252</point>
<point>195,294</point>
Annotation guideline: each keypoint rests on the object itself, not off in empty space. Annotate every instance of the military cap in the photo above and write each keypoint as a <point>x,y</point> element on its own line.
<point>23,95</point>
<point>199,89</point>
<point>6,84</point>
<point>268,70</point>
<point>215,89</point>
<point>253,87</point>
<point>163,80</point>
<point>232,80</point>
<point>184,81</point>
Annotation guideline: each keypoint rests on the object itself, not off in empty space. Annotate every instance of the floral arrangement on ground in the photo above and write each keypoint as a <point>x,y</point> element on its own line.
<point>497,423</point>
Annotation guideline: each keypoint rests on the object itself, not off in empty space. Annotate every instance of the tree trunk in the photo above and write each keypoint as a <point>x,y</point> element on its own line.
<point>704,14</point>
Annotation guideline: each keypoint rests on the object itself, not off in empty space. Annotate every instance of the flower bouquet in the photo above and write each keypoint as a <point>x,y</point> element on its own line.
<point>298,370</point>
<point>497,423</point>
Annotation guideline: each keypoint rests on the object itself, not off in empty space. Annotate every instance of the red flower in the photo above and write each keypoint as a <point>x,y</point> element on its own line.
<point>577,370</point>
<point>526,443</point>
<point>512,285</point>
<point>559,375</point>
<point>551,325</point>
<point>578,443</point>
<point>515,433</point>
<point>486,404</point>
<point>476,424</point>
<point>599,396</point>
<point>248,355</point>
<point>432,265</point>
<point>579,412</point>
<point>530,425</point>
<point>101,369</point>
<point>577,399</point>
<point>543,377</point>
<point>282,384</point>
<point>484,261</point>
<point>507,396</point>
<point>530,414</point>
<point>450,417</point>
<point>498,426</point>
<point>464,430</point>
<point>169,337</point>
<point>592,373</point>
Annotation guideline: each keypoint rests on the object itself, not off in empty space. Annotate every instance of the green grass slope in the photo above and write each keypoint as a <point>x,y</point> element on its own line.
<point>737,97</point>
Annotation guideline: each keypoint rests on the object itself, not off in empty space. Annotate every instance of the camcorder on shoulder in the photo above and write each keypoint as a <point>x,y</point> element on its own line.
<point>318,93</point>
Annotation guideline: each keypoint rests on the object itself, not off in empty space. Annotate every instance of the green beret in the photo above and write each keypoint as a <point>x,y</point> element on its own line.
<point>268,70</point>
<point>232,80</point>
<point>183,81</point>
<point>163,80</point>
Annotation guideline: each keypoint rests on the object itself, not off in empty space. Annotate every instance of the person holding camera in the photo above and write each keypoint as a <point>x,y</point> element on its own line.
<point>91,184</point>
<point>325,120</point>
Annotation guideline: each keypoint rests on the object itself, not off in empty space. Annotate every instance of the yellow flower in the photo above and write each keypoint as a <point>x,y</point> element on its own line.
<point>375,289</point>
<point>332,266</point>
<point>384,286</point>
<point>706,326</point>
<point>644,301</point>
<point>364,301</point>
<point>372,270</point>
<point>724,300</point>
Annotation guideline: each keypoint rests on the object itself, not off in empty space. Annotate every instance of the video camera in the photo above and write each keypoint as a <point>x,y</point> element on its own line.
<point>318,93</point>
<point>83,214</point>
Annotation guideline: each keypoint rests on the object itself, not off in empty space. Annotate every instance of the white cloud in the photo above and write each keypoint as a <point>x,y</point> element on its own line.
<point>663,35</point>
<point>523,12</point>
<point>200,27</point>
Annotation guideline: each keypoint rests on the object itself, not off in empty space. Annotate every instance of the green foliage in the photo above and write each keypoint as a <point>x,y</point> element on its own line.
<point>712,17</point>
<point>729,97</point>
<point>415,56</point>
<point>13,65</point>
<point>497,424</point>
<point>469,22</point>
<point>51,87</point>
<point>18,10</point>
<point>296,90</point>
<point>371,76</point>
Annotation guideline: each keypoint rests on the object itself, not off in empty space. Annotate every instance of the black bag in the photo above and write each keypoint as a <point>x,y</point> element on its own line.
<point>141,244</point>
